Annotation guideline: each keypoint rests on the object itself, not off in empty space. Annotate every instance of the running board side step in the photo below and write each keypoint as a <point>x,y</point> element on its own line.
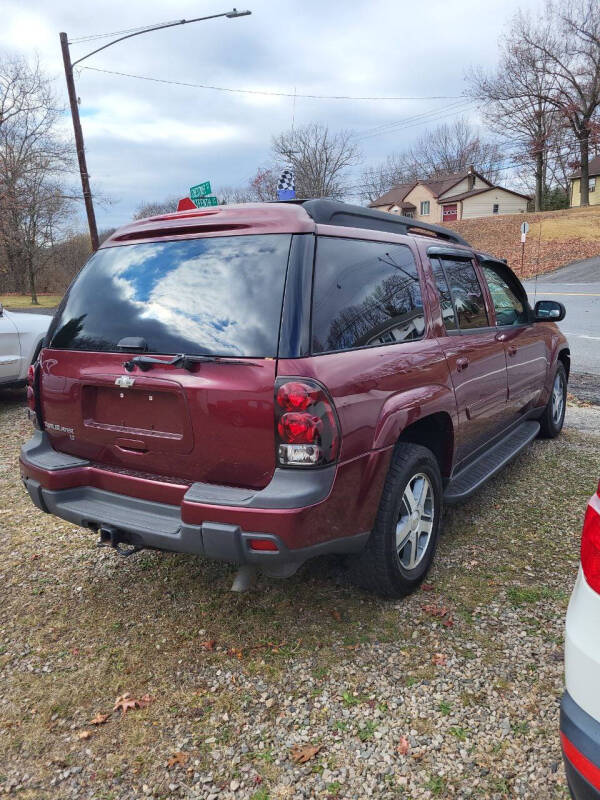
<point>469,479</point>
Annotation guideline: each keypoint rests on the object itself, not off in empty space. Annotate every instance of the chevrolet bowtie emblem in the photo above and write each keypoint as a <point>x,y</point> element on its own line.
<point>124,381</point>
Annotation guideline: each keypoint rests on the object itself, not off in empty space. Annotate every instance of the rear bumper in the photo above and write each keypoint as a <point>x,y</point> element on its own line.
<point>580,739</point>
<point>304,513</point>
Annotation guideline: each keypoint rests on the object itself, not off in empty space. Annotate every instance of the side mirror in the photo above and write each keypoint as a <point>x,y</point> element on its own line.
<point>549,311</point>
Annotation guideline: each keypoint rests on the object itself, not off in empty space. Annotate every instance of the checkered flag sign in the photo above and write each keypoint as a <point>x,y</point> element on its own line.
<point>285,185</point>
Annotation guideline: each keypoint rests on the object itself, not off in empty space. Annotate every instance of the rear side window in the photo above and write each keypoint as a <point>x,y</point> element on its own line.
<point>214,296</point>
<point>365,293</point>
<point>457,279</point>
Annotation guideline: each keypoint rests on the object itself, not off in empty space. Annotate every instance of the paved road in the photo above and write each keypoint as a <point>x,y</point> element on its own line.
<point>578,287</point>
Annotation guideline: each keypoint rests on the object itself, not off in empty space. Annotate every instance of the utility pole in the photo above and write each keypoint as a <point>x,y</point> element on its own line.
<point>85,178</point>
<point>64,44</point>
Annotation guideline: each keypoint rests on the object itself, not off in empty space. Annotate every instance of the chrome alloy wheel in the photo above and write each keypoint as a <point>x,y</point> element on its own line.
<point>415,523</point>
<point>558,399</point>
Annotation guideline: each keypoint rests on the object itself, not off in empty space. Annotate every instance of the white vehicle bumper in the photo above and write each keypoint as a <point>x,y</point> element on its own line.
<point>582,647</point>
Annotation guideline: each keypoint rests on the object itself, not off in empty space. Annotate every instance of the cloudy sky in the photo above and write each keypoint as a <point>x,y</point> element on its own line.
<point>146,140</point>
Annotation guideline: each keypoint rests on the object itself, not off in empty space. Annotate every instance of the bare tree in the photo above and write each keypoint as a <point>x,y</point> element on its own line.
<point>233,194</point>
<point>22,89</point>
<point>444,150</point>
<point>566,44</point>
<point>261,188</point>
<point>263,185</point>
<point>33,163</point>
<point>67,258</point>
<point>453,147</point>
<point>395,170</point>
<point>155,208</point>
<point>513,101</point>
<point>320,159</point>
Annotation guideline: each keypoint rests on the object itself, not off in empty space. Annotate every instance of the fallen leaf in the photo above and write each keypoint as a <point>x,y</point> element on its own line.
<point>403,746</point>
<point>439,659</point>
<point>145,700</point>
<point>302,754</point>
<point>427,587</point>
<point>336,615</point>
<point>435,611</point>
<point>449,622</point>
<point>178,759</point>
<point>99,719</point>
<point>209,644</point>
<point>84,734</point>
<point>126,702</point>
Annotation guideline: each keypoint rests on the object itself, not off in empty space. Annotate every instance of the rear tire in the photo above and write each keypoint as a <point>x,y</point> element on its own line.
<point>553,418</point>
<point>402,543</point>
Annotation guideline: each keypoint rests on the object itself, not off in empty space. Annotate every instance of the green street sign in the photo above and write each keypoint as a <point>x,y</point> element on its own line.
<point>200,190</point>
<point>204,202</point>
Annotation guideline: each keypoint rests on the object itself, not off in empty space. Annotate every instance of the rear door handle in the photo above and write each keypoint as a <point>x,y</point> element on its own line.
<point>462,363</point>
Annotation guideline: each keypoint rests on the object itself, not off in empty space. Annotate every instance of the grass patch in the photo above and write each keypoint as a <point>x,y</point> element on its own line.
<point>436,785</point>
<point>520,595</point>
<point>24,301</point>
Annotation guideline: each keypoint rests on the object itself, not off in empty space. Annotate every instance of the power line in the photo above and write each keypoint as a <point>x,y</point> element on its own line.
<point>414,121</point>
<point>263,91</point>
<point>92,36</point>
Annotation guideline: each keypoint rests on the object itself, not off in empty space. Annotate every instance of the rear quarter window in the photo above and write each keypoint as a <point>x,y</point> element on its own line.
<point>364,294</point>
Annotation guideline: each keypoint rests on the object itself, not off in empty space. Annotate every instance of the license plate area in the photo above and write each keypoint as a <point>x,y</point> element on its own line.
<point>155,416</point>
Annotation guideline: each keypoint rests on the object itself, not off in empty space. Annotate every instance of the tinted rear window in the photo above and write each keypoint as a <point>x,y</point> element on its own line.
<point>214,296</point>
<point>365,293</point>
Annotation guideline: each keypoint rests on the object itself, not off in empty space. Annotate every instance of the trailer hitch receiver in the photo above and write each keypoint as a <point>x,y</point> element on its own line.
<point>109,537</point>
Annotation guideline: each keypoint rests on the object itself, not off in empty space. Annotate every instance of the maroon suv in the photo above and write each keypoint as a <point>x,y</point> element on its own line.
<point>269,382</point>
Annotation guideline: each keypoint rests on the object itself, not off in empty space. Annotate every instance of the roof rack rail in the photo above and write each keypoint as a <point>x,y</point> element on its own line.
<point>334,212</point>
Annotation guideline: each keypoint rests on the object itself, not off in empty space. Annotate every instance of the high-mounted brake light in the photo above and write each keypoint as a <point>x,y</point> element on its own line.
<point>306,426</point>
<point>590,543</point>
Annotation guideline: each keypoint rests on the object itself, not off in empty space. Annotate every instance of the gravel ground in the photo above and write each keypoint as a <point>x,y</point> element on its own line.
<point>585,387</point>
<point>452,692</point>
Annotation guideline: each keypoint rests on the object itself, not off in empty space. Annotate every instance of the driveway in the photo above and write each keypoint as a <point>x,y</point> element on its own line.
<point>450,693</point>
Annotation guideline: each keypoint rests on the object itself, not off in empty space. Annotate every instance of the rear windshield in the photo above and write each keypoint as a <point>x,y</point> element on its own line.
<point>215,296</point>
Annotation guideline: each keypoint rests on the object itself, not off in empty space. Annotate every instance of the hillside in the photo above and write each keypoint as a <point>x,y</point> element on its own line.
<point>555,238</point>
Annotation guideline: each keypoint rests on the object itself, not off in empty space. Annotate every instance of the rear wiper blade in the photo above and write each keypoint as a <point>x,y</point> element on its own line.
<point>181,360</point>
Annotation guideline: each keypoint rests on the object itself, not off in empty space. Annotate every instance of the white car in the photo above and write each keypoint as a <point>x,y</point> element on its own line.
<point>580,707</point>
<point>21,337</point>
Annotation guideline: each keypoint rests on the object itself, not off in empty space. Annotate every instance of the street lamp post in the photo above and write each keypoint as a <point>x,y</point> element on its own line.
<point>64,44</point>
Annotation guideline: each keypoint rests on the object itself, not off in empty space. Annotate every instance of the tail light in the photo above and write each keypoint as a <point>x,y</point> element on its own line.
<point>307,431</point>
<point>590,543</point>
<point>33,390</point>
<point>30,387</point>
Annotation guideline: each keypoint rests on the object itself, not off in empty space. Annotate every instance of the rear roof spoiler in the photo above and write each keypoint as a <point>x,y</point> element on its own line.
<point>334,212</point>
